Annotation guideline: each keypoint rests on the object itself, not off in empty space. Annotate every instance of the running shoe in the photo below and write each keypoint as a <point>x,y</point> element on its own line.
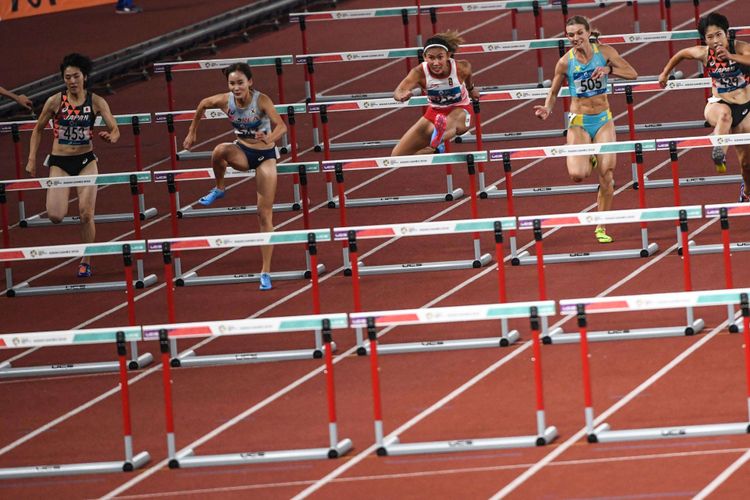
<point>594,162</point>
<point>441,148</point>
<point>265,281</point>
<point>84,270</point>
<point>744,198</point>
<point>134,9</point>
<point>437,135</point>
<point>720,159</point>
<point>212,196</point>
<point>601,235</point>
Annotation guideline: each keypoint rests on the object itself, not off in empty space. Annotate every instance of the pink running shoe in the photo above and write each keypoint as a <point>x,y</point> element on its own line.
<point>441,123</point>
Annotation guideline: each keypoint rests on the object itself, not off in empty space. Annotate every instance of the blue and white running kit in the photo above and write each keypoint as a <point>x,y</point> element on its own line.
<point>246,122</point>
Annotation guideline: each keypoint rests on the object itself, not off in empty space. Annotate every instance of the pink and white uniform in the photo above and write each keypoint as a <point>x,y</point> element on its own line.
<point>445,94</point>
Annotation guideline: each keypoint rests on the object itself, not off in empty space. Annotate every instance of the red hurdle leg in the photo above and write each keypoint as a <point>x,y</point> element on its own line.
<point>419,23</point>
<point>668,9</point>
<point>405,22</point>
<point>353,270</point>
<point>746,332</point>
<point>17,158</point>
<point>312,250</point>
<point>330,390</point>
<point>372,335</point>
<point>539,35</point>
<point>170,94</point>
<point>168,407</point>
<point>588,404</point>
<point>631,134</point>
<point>537,347</point>
<point>480,146</point>
<point>724,219</point>
<point>636,19</point>
<point>6,235</point>
<point>125,400</point>
<point>509,205</point>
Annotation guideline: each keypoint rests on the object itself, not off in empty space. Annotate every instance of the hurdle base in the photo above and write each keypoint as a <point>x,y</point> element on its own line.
<point>192,278</point>
<point>37,220</point>
<point>525,260</point>
<point>494,192</point>
<point>628,334</point>
<point>138,461</point>
<point>395,448</point>
<point>7,370</point>
<point>694,181</point>
<point>411,267</point>
<point>603,434</point>
<point>743,246</point>
<point>446,345</point>
<point>190,358</point>
<point>24,288</point>
<point>260,457</point>
<point>399,200</point>
<point>191,212</point>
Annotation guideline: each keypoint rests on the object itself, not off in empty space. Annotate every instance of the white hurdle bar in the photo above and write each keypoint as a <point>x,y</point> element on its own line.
<point>533,310</point>
<point>355,268</point>
<point>339,167</point>
<point>188,211</point>
<point>133,179</point>
<point>724,211</point>
<point>135,120</point>
<point>124,248</point>
<point>116,336</point>
<point>308,237</point>
<point>325,322</point>
<point>603,433</point>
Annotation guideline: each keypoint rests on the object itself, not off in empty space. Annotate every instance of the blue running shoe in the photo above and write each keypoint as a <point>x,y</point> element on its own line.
<point>265,281</point>
<point>441,148</point>
<point>744,198</point>
<point>441,123</point>
<point>212,196</point>
<point>84,270</point>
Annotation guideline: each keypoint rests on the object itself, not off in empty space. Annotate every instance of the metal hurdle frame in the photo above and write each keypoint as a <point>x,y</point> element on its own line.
<point>131,178</point>
<point>196,174</point>
<point>474,226</point>
<point>124,248</point>
<point>392,446</point>
<point>135,120</point>
<point>603,433</point>
<point>166,246</point>
<point>724,211</point>
<point>325,322</point>
<point>78,337</point>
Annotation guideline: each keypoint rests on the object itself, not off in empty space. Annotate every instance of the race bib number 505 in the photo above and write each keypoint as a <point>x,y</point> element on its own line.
<point>586,86</point>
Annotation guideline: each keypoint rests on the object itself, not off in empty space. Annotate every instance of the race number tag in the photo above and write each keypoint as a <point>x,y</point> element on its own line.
<point>74,136</point>
<point>586,86</point>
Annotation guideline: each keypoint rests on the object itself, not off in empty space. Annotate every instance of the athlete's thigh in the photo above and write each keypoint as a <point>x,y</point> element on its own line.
<point>234,156</point>
<point>461,119</point>
<point>606,133</point>
<point>87,194</point>
<point>265,179</point>
<point>57,198</point>
<point>416,138</point>
<point>714,110</point>
<point>578,165</point>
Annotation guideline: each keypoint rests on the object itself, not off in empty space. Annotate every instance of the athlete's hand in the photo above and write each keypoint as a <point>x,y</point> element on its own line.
<point>25,102</point>
<point>260,135</point>
<point>542,112</point>
<point>721,53</point>
<point>600,72</point>
<point>189,140</point>
<point>474,94</point>
<point>31,167</point>
<point>663,79</point>
<point>402,95</point>
<point>106,136</point>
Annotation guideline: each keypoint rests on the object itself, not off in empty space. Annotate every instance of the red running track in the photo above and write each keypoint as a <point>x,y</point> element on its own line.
<point>433,396</point>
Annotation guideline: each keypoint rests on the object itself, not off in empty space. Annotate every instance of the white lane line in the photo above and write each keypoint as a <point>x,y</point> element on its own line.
<point>721,478</point>
<point>441,472</point>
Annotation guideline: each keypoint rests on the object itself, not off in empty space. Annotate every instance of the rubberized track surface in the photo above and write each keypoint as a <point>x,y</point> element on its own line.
<point>431,396</point>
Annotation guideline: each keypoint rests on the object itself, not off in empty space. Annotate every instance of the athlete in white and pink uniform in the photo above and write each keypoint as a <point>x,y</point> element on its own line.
<point>449,89</point>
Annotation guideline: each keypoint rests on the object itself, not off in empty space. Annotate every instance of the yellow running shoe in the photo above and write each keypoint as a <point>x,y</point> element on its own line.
<point>594,162</point>
<point>602,236</point>
<point>720,159</point>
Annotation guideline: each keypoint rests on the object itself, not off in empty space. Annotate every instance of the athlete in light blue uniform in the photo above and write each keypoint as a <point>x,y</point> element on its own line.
<point>586,67</point>
<point>258,126</point>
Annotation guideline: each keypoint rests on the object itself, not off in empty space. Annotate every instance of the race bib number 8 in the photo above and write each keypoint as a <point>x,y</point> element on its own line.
<point>586,86</point>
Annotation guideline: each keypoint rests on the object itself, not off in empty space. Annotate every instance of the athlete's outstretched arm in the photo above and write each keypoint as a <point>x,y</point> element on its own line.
<point>215,101</point>
<point>543,112</point>
<point>48,112</point>
<point>278,127</point>
<point>412,81</point>
<point>698,53</point>
<point>464,71</point>
<point>112,135</point>
<point>616,65</point>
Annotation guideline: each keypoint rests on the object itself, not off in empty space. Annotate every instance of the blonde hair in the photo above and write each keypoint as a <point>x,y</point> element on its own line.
<point>586,23</point>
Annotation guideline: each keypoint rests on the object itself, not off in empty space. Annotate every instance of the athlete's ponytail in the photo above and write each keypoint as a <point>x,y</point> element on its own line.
<point>449,40</point>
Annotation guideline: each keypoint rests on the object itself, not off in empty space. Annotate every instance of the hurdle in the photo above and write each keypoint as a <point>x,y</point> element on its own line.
<point>474,226</point>
<point>168,68</point>
<point>125,248</point>
<point>532,310</point>
<point>133,179</point>
<point>166,246</point>
<point>135,120</point>
<point>80,337</point>
<point>187,211</point>
<point>724,211</point>
<point>603,433</point>
<point>186,459</point>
